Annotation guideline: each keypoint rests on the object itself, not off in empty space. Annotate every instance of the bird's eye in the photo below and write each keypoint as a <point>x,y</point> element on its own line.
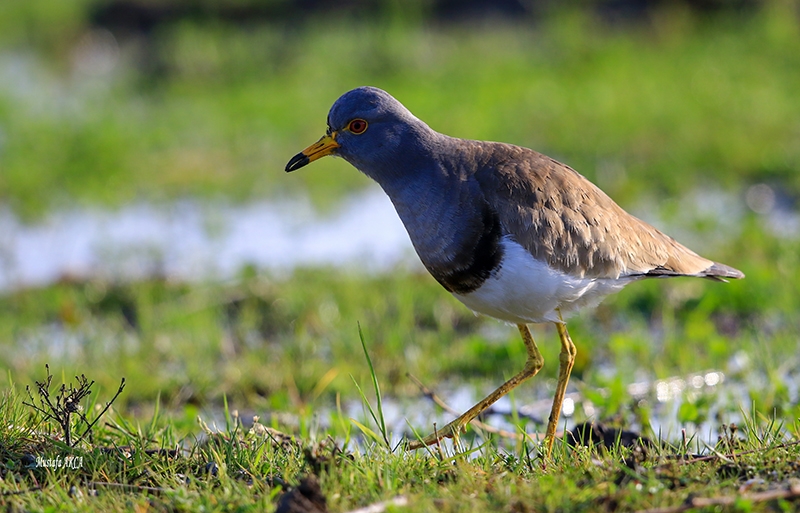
<point>357,126</point>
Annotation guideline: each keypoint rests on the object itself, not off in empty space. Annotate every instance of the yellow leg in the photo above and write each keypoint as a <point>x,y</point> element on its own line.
<point>532,366</point>
<point>566,359</point>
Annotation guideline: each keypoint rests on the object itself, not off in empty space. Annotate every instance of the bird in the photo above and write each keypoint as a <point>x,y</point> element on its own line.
<point>511,233</point>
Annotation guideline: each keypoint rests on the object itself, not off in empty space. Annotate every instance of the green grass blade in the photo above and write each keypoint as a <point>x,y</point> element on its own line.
<point>380,420</point>
<point>368,432</point>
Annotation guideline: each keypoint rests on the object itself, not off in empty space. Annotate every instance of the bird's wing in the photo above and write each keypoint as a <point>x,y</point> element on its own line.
<point>567,221</point>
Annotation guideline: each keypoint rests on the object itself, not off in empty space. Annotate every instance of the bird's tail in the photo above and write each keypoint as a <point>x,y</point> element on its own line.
<point>721,272</point>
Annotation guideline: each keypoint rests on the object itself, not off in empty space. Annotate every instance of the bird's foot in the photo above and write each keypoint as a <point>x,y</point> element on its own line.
<point>451,430</point>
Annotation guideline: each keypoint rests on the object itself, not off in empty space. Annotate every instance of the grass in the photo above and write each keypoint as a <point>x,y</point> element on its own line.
<point>676,101</point>
<point>153,464</point>
<point>290,341</point>
<point>286,350</point>
<point>678,108</point>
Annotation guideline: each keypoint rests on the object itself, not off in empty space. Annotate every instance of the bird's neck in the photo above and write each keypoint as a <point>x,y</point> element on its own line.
<point>442,208</point>
<point>421,188</point>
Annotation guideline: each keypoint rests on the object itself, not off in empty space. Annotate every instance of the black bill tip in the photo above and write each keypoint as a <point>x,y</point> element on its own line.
<point>297,162</point>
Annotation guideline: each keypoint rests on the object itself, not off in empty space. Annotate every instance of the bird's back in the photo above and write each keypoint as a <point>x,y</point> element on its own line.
<point>563,219</point>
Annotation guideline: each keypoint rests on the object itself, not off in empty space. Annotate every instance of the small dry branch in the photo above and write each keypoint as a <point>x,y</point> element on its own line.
<point>693,503</point>
<point>67,403</point>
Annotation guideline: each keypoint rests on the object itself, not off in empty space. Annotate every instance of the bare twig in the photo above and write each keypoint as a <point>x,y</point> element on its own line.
<point>691,503</point>
<point>717,456</point>
<point>44,396</point>
<point>108,405</point>
<point>66,404</point>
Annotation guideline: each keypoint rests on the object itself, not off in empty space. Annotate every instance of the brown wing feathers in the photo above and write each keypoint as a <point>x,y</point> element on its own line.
<point>564,219</point>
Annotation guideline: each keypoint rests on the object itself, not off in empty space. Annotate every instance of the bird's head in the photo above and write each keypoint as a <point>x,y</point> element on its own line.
<point>368,128</point>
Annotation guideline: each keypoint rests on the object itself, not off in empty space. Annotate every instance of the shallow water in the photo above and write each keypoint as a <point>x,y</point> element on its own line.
<point>662,398</point>
<point>190,240</point>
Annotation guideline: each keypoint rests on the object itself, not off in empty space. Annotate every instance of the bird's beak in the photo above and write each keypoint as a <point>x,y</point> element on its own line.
<point>325,146</point>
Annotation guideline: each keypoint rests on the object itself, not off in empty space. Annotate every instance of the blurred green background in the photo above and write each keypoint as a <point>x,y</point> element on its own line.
<point>686,113</point>
<point>114,101</point>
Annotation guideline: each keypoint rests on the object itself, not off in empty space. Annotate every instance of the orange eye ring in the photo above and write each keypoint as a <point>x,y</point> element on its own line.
<point>357,126</point>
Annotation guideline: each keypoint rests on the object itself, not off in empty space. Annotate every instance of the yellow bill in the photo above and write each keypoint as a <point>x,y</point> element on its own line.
<point>325,146</point>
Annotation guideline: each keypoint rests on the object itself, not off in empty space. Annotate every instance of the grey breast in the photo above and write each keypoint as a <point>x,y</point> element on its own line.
<point>454,229</point>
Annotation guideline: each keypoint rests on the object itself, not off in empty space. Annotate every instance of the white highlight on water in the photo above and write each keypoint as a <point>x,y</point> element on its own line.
<point>190,240</point>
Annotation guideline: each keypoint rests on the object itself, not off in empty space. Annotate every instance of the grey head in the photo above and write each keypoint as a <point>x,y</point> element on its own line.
<point>373,132</point>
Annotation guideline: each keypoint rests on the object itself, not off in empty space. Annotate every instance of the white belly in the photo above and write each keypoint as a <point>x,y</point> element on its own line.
<point>526,290</point>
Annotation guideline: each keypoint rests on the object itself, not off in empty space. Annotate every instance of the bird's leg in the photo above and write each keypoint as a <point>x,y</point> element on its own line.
<point>532,366</point>
<point>566,360</point>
